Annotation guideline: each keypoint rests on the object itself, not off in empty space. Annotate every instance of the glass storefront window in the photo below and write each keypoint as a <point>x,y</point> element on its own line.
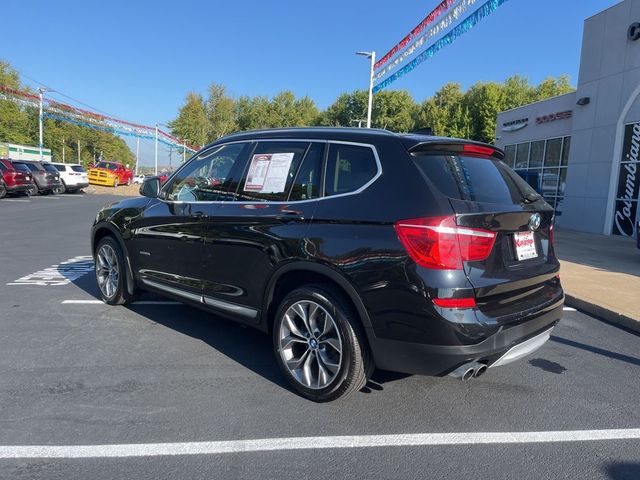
<point>566,147</point>
<point>522,156</point>
<point>510,155</point>
<point>552,154</point>
<point>537,154</point>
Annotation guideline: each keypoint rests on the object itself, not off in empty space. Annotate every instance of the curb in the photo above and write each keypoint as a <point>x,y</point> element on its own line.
<point>602,313</point>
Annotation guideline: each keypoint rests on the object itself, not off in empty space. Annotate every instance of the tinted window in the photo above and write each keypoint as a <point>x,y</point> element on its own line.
<point>510,155</point>
<point>271,170</point>
<point>77,168</point>
<point>349,167</point>
<point>537,153</point>
<point>21,167</point>
<point>3,168</point>
<point>552,155</point>
<point>60,168</point>
<point>107,165</point>
<point>207,177</point>
<point>474,179</point>
<point>32,167</point>
<point>522,156</point>
<point>50,168</point>
<point>307,182</point>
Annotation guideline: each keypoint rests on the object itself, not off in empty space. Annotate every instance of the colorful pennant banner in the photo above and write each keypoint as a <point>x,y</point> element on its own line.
<point>467,24</point>
<point>435,13</point>
<point>452,17</point>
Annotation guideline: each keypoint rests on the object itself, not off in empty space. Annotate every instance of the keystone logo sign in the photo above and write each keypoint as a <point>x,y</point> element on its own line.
<point>628,183</point>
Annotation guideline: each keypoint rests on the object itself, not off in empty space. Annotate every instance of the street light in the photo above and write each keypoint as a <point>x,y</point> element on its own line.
<point>41,91</point>
<point>156,144</point>
<point>372,56</point>
<point>184,149</point>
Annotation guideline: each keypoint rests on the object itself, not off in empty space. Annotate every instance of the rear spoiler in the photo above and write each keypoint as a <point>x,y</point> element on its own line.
<point>457,148</point>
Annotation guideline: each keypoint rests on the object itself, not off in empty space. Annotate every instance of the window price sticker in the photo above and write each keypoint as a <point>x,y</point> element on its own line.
<point>268,173</point>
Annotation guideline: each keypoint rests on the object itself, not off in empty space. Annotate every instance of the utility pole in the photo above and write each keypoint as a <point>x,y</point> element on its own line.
<point>156,163</point>
<point>137,153</point>
<point>184,151</point>
<point>372,57</point>
<point>41,92</point>
<point>63,160</point>
<point>79,161</point>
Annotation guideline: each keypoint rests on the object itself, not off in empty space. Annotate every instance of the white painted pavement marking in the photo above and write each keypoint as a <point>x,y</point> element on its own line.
<point>15,200</point>
<point>312,443</point>
<point>139,302</point>
<point>568,309</point>
<point>61,274</point>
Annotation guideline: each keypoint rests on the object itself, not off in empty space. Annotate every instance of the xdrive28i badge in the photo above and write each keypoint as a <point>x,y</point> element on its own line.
<point>535,221</point>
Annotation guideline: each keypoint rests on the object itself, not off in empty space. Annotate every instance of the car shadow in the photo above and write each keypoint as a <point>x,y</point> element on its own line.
<point>247,346</point>
<point>599,351</point>
<point>623,471</point>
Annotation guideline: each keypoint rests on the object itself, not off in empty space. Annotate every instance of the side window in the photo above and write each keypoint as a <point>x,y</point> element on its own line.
<point>207,177</point>
<point>61,168</point>
<point>349,167</point>
<point>272,168</point>
<point>307,183</point>
<point>3,168</point>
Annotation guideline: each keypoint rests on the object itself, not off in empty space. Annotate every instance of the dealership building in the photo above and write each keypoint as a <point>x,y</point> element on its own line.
<point>581,150</point>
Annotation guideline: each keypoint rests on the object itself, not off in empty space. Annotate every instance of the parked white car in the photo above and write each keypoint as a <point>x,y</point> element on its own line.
<point>73,177</point>
<point>138,179</point>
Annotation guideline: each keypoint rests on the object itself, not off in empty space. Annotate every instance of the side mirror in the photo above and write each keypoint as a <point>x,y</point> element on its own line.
<point>150,187</point>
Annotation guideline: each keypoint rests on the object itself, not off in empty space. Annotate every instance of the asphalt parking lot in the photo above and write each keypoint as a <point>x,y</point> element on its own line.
<point>115,385</point>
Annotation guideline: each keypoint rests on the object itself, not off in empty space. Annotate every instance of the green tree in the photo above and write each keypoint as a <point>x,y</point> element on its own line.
<point>253,113</point>
<point>192,123</point>
<point>393,110</point>
<point>15,126</point>
<point>221,112</point>
<point>349,109</point>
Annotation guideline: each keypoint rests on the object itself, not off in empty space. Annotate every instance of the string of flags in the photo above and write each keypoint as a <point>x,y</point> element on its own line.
<point>86,118</point>
<point>458,17</point>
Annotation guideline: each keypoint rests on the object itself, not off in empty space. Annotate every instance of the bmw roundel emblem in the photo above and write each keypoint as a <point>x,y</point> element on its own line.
<point>535,221</point>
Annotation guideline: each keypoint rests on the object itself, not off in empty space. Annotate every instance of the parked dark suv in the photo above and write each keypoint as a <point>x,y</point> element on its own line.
<point>354,248</point>
<point>46,177</point>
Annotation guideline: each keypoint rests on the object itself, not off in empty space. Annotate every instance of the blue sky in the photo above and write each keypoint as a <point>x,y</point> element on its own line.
<point>137,59</point>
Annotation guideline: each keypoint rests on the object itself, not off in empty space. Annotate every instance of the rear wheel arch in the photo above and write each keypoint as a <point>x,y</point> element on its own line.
<point>294,275</point>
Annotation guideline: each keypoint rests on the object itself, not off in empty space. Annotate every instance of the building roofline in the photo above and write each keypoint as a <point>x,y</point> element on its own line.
<point>539,101</point>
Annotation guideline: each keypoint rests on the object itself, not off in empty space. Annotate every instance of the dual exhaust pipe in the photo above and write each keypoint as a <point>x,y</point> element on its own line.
<point>469,370</point>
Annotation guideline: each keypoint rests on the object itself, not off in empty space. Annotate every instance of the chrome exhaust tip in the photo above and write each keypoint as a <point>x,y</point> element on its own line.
<point>468,371</point>
<point>480,370</point>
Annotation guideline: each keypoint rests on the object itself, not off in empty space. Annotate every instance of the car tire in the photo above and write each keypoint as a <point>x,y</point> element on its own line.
<point>128,182</point>
<point>327,356</point>
<point>3,190</point>
<point>110,261</point>
<point>60,190</point>
<point>115,183</point>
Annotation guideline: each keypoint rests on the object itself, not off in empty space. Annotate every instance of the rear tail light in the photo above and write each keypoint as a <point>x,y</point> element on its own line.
<point>439,243</point>
<point>552,235</point>
<point>455,302</point>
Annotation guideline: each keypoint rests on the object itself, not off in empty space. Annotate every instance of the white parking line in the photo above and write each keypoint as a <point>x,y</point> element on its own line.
<point>568,309</point>
<point>140,302</point>
<point>311,443</point>
<point>15,200</point>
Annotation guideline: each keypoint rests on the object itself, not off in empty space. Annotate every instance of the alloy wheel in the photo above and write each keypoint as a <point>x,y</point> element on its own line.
<point>107,271</point>
<point>310,344</point>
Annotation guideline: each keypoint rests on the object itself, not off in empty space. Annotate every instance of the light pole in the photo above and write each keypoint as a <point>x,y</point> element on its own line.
<point>184,149</point>
<point>156,163</point>
<point>372,57</point>
<point>137,153</point>
<point>41,91</point>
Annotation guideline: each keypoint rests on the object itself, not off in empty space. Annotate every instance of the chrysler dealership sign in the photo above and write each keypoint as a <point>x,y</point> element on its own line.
<point>628,183</point>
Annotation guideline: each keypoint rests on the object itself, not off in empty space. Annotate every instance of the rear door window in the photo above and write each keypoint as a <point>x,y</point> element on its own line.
<point>271,171</point>
<point>32,167</point>
<point>349,168</point>
<point>306,185</point>
<point>3,168</point>
<point>473,178</point>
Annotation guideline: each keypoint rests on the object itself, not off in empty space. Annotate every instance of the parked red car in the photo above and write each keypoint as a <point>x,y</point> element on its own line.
<point>14,180</point>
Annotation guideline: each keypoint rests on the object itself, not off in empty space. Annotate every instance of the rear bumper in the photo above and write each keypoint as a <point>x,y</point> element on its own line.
<point>423,359</point>
<point>19,188</point>
<point>73,186</point>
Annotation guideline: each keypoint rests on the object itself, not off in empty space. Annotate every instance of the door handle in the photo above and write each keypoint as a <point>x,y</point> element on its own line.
<point>199,216</point>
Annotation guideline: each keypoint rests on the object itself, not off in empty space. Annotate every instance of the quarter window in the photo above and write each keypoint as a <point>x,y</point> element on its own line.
<point>61,168</point>
<point>349,167</point>
<point>307,183</point>
<point>209,176</point>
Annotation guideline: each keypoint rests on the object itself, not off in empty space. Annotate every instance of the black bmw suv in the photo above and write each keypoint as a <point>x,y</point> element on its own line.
<point>353,248</point>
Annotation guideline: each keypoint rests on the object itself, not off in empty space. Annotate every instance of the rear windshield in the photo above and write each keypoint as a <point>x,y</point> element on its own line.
<point>60,168</point>
<point>31,166</point>
<point>473,178</point>
<point>49,168</point>
<point>77,168</point>
<point>22,167</point>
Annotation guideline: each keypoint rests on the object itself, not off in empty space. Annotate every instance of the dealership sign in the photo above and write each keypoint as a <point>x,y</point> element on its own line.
<point>515,125</point>
<point>628,183</point>
<point>554,116</point>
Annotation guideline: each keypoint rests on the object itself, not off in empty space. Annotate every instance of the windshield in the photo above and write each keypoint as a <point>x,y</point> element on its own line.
<point>474,179</point>
<point>107,165</point>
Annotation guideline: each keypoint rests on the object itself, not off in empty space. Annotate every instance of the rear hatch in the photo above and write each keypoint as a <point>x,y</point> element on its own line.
<point>22,174</point>
<point>518,275</point>
<point>52,175</point>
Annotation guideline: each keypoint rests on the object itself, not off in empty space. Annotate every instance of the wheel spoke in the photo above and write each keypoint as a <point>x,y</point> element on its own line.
<point>314,310</point>
<point>333,342</point>
<point>290,340</point>
<point>296,363</point>
<point>323,375</point>
<point>293,328</point>
<point>301,311</point>
<point>327,362</point>
<point>306,369</point>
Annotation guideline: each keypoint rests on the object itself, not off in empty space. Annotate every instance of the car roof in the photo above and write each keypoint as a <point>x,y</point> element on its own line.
<point>363,135</point>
